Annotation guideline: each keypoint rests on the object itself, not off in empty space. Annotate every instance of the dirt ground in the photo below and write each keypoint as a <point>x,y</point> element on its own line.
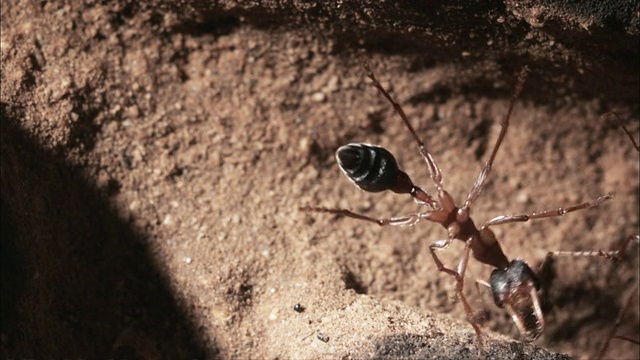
<point>154,158</point>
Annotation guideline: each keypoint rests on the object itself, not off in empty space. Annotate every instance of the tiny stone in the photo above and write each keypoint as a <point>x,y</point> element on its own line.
<point>522,197</point>
<point>318,97</point>
<point>322,337</point>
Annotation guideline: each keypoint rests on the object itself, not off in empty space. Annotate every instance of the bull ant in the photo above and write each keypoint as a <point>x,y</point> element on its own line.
<point>513,283</point>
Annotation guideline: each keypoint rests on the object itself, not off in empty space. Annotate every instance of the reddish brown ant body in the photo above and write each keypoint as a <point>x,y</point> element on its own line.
<point>513,283</point>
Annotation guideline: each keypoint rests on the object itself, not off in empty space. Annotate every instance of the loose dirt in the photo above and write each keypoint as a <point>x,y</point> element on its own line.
<point>154,158</point>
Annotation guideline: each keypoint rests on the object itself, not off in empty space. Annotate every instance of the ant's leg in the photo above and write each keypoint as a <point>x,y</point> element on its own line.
<point>480,181</point>
<point>621,314</point>
<point>624,128</point>
<point>506,219</point>
<point>614,255</point>
<point>405,220</point>
<point>434,170</point>
<point>459,275</point>
<point>635,144</point>
<point>462,268</point>
<point>483,283</point>
<point>479,282</point>
<point>608,254</point>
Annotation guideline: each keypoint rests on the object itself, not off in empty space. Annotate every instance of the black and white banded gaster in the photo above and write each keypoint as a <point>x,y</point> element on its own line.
<point>372,168</point>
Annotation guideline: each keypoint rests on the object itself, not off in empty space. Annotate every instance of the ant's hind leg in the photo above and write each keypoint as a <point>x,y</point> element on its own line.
<point>434,170</point>
<point>405,220</point>
<point>478,186</point>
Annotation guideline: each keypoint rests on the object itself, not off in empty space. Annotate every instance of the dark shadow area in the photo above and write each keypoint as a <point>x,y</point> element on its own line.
<point>401,346</point>
<point>557,298</point>
<point>77,280</point>
<point>413,346</point>
<point>605,307</point>
<point>568,62</point>
<point>353,282</point>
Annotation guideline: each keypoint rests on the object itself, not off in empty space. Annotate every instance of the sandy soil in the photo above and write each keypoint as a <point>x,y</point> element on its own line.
<point>154,159</point>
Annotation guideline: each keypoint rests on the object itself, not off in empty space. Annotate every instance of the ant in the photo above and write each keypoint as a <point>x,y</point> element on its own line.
<point>513,283</point>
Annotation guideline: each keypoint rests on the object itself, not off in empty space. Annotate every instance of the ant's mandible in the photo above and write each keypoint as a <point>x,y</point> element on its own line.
<point>513,283</point>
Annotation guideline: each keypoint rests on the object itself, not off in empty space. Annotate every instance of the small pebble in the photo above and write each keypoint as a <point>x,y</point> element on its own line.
<point>318,97</point>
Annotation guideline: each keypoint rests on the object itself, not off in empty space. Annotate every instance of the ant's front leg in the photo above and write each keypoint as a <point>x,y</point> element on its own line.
<point>459,276</point>
<point>615,255</point>
<point>607,254</point>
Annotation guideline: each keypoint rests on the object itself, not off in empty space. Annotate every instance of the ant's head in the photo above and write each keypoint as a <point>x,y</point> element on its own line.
<point>372,168</point>
<point>515,288</point>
